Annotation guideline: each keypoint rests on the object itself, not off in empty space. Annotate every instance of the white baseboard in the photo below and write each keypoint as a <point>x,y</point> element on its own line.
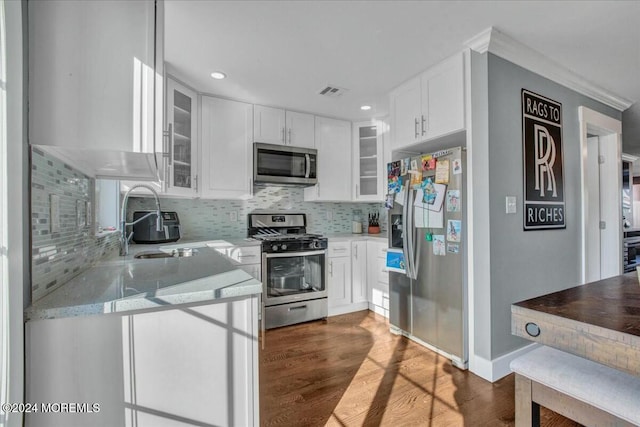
<point>493,370</point>
<point>384,312</point>
<point>344,309</point>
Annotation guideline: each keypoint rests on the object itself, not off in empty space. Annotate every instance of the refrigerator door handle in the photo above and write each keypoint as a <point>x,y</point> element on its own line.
<point>411,237</point>
<point>405,243</point>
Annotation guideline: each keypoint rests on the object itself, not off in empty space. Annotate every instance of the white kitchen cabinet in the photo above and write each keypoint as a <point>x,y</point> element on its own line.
<point>406,111</point>
<point>359,271</point>
<point>277,126</point>
<point>191,362</point>
<point>95,84</point>
<point>182,123</point>
<point>430,105</point>
<point>339,282</point>
<point>368,162</point>
<point>347,282</point>
<point>300,129</point>
<point>333,142</point>
<point>268,125</point>
<point>378,278</point>
<point>227,149</point>
<point>248,258</point>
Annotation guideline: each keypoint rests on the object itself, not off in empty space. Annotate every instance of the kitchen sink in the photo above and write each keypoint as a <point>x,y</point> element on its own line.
<point>176,253</point>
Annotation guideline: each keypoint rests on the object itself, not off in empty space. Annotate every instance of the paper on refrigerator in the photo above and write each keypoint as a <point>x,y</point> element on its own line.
<point>423,217</point>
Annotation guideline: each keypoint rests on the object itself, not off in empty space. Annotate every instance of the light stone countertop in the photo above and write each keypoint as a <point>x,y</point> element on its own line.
<point>382,237</point>
<point>121,284</point>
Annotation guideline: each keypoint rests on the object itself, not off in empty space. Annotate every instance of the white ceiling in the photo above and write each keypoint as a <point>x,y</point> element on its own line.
<point>282,53</point>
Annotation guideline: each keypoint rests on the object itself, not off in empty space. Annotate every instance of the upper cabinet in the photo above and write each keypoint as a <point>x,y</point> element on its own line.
<point>182,126</point>
<point>368,162</point>
<point>277,126</point>
<point>430,105</point>
<point>227,131</point>
<point>95,83</point>
<point>300,129</point>
<point>333,142</point>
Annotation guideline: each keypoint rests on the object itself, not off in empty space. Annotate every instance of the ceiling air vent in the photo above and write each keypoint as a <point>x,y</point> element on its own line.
<point>332,91</point>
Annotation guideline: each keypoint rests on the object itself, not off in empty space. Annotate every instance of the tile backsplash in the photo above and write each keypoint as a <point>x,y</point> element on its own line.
<point>211,219</point>
<point>62,249</point>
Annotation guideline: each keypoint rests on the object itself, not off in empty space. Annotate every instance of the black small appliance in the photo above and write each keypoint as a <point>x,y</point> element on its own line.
<point>145,230</point>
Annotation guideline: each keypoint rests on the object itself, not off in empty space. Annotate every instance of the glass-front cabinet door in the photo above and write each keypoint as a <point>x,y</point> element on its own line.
<point>182,105</point>
<point>368,162</point>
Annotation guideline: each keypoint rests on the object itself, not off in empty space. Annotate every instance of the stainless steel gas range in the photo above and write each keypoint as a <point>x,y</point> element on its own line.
<point>294,269</point>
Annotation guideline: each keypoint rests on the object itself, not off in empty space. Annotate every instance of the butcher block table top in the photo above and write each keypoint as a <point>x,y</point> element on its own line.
<point>599,321</point>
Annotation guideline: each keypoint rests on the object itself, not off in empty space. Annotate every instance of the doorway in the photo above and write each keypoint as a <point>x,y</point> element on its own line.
<point>601,170</point>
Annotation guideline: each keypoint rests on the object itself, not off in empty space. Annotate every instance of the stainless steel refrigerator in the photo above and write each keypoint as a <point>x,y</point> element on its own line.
<point>427,290</point>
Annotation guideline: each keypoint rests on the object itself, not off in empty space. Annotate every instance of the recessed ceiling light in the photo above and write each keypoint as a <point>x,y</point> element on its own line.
<point>365,107</point>
<point>218,75</point>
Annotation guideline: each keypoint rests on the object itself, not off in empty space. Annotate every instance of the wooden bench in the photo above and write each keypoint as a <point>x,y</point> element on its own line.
<point>584,391</point>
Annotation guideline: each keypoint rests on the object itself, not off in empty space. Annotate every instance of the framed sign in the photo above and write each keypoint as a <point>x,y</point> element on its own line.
<point>544,205</point>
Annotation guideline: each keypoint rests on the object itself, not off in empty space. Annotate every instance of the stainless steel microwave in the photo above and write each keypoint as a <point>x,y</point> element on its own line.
<point>284,165</point>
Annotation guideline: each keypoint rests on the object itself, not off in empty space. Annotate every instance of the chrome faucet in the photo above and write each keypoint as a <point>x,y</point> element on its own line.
<point>124,239</point>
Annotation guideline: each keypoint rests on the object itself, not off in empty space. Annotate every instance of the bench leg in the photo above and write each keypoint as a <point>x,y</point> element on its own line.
<point>527,411</point>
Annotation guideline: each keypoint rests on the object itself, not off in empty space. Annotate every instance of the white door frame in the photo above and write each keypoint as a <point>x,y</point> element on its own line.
<point>595,123</point>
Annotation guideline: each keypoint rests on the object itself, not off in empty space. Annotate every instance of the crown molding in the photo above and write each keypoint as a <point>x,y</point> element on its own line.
<point>480,42</point>
<point>506,47</point>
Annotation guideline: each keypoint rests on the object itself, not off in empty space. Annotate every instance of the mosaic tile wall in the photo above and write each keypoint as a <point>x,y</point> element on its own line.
<point>59,256</point>
<point>209,219</point>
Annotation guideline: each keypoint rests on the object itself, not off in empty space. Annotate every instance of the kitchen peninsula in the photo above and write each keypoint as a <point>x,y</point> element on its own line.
<point>170,339</point>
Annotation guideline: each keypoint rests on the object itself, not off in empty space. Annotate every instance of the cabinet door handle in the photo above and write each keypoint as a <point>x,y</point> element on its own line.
<point>356,248</point>
<point>424,124</point>
<point>331,268</point>
<point>290,137</point>
<point>195,181</point>
<point>318,189</point>
<point>168,149</point>
<point>284,141</point>
<point>167,137</point>
<point>250,186</point>
<point>415,127</point>
<point>170,144</point>
<point>357,194</point>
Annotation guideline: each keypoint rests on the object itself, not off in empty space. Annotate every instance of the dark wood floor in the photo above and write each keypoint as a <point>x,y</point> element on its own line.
<point>350,371</point>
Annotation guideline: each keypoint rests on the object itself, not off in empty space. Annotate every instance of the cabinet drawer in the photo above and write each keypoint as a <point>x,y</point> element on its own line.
<point>244,254</point>
<point>338,249</point>
<point>255,270</point>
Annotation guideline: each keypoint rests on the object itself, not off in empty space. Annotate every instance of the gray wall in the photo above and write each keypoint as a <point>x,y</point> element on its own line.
<point>532,263</point>
<point>631,131</point>
<point>479,211</point>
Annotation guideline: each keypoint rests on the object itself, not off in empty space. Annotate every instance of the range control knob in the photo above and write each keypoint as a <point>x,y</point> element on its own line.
<point>313,245</point>
<point>274,247</point>
<point>283,247</point>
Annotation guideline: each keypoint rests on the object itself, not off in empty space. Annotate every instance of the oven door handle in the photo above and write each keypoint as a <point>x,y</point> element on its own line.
<point>295,254</point>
